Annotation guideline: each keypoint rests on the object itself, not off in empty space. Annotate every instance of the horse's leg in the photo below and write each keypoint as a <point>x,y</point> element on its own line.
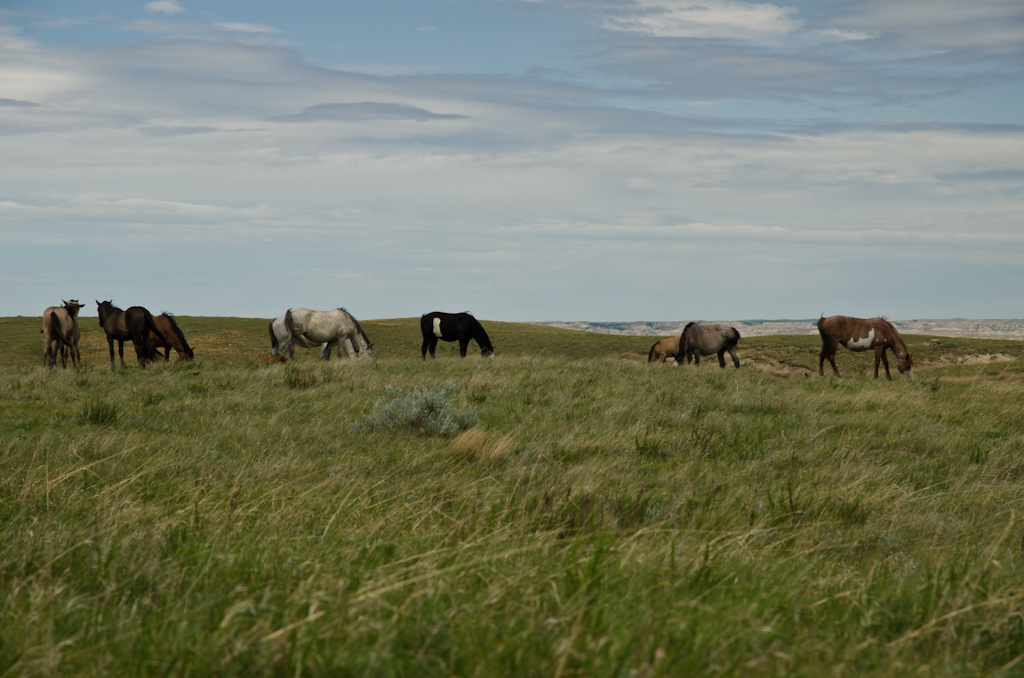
<point>463,345</point>
<point>696,358</point>
<point>120,350</point>
<point>433,346</point>
<point>735,358</point>
<point>325,350</point>
<point>721,357</point>
<point>885,361</point>
<point>110,342</point>
<point>828,350</point>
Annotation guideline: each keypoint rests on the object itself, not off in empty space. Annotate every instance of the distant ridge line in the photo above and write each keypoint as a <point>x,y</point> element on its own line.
<point>954,327</point>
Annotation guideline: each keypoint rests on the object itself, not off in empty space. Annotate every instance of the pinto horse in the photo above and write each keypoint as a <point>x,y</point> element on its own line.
<point>336,328</point>
<point>697,340</point>
<point>859,334</point>
<point>174,339</point>
<point>134,324</point>
<point>60,325</point>
<point>459,327</point>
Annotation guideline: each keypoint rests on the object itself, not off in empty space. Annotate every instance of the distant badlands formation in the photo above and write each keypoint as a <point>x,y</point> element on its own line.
<point>957,327</point>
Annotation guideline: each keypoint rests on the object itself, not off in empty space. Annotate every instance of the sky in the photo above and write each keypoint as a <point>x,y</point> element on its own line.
<point>607,160</point>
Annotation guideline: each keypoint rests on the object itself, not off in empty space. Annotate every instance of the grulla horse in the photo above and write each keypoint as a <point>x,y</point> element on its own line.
<point>62,334</point>
<point>336,328</point>
<point>697,340</point>
<point>860,334</point>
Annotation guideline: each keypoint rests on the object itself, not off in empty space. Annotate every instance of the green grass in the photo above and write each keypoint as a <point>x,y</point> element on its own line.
<point>606,517</point>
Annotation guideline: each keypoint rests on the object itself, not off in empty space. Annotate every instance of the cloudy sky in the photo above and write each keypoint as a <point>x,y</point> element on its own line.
<point>524,160</point>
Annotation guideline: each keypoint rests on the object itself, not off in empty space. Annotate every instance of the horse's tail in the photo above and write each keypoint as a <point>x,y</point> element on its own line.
<point>179,334</point>
<point>289,322</point>
<point>735,339</point>
<point>58,330</point>
<point>650,356</point>
<point>273,339</point>
<point>151,326</point>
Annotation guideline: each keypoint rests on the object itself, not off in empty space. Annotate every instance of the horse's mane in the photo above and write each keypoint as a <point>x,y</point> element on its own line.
<point>358,326</point>
<point>178,332</point>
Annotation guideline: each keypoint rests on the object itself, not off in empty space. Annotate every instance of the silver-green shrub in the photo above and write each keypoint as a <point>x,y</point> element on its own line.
<point>421,410</point>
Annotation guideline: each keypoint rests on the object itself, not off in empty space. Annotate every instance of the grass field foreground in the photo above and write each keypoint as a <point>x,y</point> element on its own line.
<point>606,516</point>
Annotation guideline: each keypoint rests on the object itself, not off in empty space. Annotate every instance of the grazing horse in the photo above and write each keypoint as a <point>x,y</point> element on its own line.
<point>858,334</point>
<point>175,339</point>
<point>337,328</point>
<point>281,340</point>
<point>663,349</point>
<point>452,327</point>
<point>698,340</point>
<point>60,325</point>
<point>134,324</point>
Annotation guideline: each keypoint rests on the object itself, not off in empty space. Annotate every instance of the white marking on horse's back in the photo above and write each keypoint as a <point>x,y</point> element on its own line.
<point>437,328</point>
<point>861,344</point>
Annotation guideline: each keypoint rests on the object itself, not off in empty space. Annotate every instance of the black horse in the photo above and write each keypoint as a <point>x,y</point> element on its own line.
<point>451,327</point>
<point>135,324</point>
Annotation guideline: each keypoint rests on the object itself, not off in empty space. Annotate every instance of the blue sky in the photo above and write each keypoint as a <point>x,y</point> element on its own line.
<point>541,160</point>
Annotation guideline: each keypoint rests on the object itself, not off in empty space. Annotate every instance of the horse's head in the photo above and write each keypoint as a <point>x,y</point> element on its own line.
<point>72,307</point>
<point>906,367</point>
<point>487,352</point>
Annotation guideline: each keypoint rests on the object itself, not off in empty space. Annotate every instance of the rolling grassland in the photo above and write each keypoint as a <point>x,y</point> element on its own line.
<point>606,517</point>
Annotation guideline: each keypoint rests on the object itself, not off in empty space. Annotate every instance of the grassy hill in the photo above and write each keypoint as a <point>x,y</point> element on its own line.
<point>604,517</point>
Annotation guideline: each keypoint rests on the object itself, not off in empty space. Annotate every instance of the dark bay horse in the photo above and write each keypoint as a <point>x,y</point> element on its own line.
<point>175,339</point>
<point>859,334</point>
<point>697,340</point>
<point>134,324</point>
<point>459,327</point>
<point>60,326</point>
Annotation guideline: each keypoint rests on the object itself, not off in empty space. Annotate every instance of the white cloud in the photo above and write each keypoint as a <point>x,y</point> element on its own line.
<point>705,19</point>
<point>164,7</point>
<point>247,28</point>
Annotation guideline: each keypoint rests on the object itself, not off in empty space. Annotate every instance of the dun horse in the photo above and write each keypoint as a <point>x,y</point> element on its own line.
<point>459,327</point>
<point>858,334</point>
<point>663,349</point>
<point>337,328</point>
<point>134,324</point>
<point>174,339</point>
<point>60,326</point>
<point>697,340</point>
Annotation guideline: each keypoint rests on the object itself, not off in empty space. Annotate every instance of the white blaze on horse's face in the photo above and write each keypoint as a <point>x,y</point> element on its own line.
<point>861,344</point>
<point>437,328</point>
<point>909,374</point>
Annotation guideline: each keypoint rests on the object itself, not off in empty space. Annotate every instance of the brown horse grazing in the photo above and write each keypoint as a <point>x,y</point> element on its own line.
<point>175,339</point>
<point>135,324</point>
<point>697,340</point>
<point>663,349</point>
<point>60,325</point>
<point>858,334</point>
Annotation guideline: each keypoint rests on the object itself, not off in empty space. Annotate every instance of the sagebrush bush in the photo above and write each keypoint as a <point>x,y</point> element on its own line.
<point>421,410</point>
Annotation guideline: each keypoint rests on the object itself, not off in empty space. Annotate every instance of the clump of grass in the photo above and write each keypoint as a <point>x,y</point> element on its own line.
<point>421,410</point>
<point>300,376</point>
<point>99,413</point>
<point>467,445</point>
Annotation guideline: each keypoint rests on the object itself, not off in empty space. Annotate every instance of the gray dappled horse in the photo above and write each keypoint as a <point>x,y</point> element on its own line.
<point>60,326</point>
<point>133,324</point>
<point>282,342</point>
<point>697,340</point>
<point>329,329</point>
<point>459,327</point>
<point>859,334</point>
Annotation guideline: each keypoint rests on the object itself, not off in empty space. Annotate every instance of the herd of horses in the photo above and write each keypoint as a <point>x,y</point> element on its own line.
<point>338,329</point>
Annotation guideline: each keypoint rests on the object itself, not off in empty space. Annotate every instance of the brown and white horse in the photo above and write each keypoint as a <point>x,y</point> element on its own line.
<point>859,334</point>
